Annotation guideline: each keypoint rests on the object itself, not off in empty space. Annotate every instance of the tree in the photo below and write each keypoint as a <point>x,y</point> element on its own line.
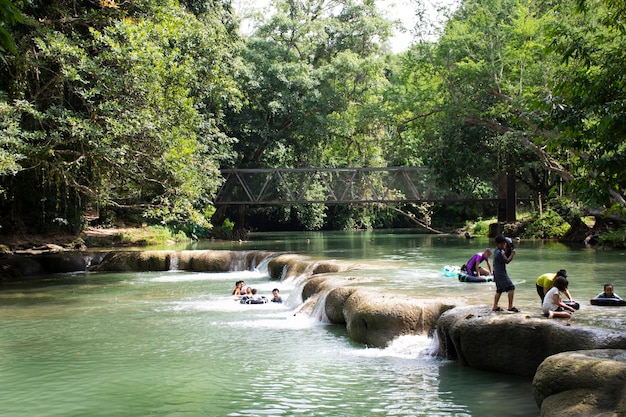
<point>588,105</point>
<point>313,87</point>
<point>9,15</point>
<point>487,74</point>
<point>118,108</point>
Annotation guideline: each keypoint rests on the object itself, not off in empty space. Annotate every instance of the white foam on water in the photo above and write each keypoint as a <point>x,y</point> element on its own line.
<point>406,347</point>
<point>281,320</point>
<point>178,276</point>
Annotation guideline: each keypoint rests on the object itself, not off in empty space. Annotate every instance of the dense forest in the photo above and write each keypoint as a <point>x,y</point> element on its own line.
<point>112,109</point>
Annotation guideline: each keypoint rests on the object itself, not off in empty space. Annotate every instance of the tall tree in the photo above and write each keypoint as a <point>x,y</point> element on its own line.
<point>116,106</point>
<point>589,103</point>
<point>9,15</point>
<point>493,70</point>
<point>313,84</point>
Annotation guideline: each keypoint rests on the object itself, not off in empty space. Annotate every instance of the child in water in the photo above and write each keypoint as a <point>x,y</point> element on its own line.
<point>608,292</point>
<point>276,296</point>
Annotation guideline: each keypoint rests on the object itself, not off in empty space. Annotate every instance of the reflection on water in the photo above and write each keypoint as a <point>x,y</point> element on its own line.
<point>175,343</point>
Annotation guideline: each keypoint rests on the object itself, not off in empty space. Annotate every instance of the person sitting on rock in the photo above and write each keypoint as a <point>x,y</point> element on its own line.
<point>553,305</point>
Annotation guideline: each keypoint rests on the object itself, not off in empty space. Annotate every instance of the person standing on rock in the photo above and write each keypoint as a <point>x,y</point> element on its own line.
<point>500,276</point>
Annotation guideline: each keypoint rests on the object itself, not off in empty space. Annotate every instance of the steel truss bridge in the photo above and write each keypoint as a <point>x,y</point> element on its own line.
<point>283,186</point>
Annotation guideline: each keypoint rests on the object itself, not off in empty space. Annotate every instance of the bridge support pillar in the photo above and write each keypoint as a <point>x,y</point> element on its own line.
<point>506,197</point>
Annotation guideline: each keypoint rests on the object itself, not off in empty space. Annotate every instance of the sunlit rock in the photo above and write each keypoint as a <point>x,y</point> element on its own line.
<point>136,261</point>
<point>315,285</point>
<point>287,265</point>
<point>376,319</point>
<point>335,302</point>
<point>514,343</point>
<point>582,383</point>
<point>205,260</point>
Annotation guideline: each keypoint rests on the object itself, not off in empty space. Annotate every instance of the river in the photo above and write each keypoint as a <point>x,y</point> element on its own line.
<point>175,343</point>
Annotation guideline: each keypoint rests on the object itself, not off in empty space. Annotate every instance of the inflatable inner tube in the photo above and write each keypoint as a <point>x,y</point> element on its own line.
<point>612,302</point>
<point>463,277</point>
<point>572,304</point>
<point>250,300</point>
<point>450,270</point>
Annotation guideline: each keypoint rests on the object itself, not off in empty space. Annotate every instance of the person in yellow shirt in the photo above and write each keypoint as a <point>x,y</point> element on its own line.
<point>546,281</point>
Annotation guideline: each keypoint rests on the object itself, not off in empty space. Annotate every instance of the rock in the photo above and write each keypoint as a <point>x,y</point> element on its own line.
<point>376,319</point>
<point>135,261</point>
<point>63,262</point>
<point>514,343</point>
<point>335,301</point>
<point>205,260</point>
<point>287,265</point>
<point>22,266</point>
<point>315,285</point>
<point>17,267</point>
<point>582,383</point>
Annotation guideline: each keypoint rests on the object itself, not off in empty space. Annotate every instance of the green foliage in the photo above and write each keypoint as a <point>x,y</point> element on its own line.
<point>150,236</point>
<point>588,104</point>
<point>9,15</point>
<point>132,107</point>
<point>225,230</point>
<point>481,227</point>
<point>117,107</point>
<point>548,226</point>
<point>615,238</point>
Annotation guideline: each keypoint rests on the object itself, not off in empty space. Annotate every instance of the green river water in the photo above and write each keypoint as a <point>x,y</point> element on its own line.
<point>176,344</point>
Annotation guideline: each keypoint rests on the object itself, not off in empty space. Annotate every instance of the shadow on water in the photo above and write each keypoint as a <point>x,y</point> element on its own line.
<point>486,393</point>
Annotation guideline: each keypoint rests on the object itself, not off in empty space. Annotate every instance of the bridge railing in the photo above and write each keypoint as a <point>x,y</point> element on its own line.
<point>284,186</point>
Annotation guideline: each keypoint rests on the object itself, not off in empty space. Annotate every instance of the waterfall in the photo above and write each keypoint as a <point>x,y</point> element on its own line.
<point>283,274</point>
<point>319,310</point>
<point>433,348</point>
<point>238,261</point>
<point>173,258</point>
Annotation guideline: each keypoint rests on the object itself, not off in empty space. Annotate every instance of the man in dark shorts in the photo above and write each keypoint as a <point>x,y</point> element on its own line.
<point>500,276</point>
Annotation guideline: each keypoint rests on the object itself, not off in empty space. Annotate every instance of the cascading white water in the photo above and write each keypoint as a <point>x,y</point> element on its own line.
<point>319,310</point>
<point>173,258</point>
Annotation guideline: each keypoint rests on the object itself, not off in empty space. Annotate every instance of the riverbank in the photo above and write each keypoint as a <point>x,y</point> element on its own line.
<point>92,237</point>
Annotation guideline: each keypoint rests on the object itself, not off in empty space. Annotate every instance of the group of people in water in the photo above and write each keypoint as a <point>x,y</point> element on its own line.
<point>250,295</point>
<point>549,286</point>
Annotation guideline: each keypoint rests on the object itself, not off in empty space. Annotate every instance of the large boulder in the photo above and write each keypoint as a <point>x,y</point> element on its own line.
<point>206,260</point>
<point>63,262</point>
<point>17,267</point>
<point>582,383</point>
<point>514,343</point>
<point>376,319</point>
<point>335,302</point>
<point>22,266</point>
<point>140,261</point>
<point>287,265</point>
